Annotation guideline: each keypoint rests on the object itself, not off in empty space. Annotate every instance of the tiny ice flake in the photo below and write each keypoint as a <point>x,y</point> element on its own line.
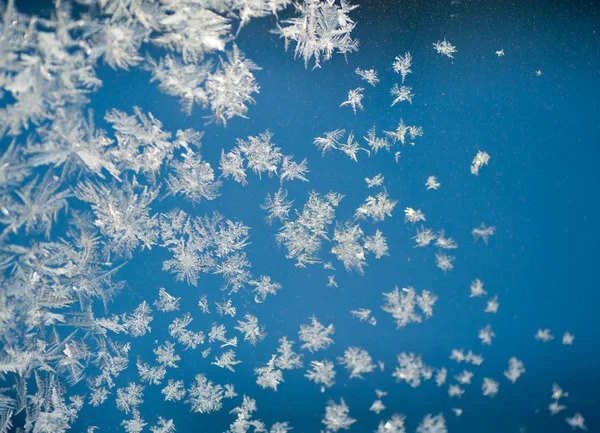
<point>402,305</point>
<point>489,387</point>
<point>355,97</point>
<point>568,339</point>
<point>544,335</point>
<point>486,335</point>
<point>269,376</point>
<point>481,159</point>
<point>576,421</point>
<point>357,361</point>
<point>412,369</point>
<point>375,181</point>
<point>455,391</point>
<point>432,183</point>
<point>477,288</point>
<point>315,336</point>
<point>433,424</point>
<point>252,332</point>
<point>368,75</point>
<point>402,65</point>
<point>411,215</point>
<point>555,407</point>
<point>444,261</point>
<point>500,53</point>
<point>515,369</point>
<point>445,48</point>
<point>322,373</point>
<point>401,93</point>
<point>394,425</point>
<point>424,237</point>
<point>166,302</point>
<point>492,305</point>
<point>376,208</point>
<point>336,417</point>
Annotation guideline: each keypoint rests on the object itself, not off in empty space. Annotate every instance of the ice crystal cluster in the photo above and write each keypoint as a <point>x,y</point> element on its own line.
<point>86,195</point>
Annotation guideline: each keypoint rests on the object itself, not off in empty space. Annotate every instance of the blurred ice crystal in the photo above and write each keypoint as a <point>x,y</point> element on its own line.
<point>515,369</point>
<point>337,417</point>
<point>433,424</point>
<point>445,48</point>
<point>576,421</point>
<point>402,305</point>
<point>489,387</point>
<point>544,335</point>
<point>412,369</point>
<point>481,159</point>
<point>315,336</point>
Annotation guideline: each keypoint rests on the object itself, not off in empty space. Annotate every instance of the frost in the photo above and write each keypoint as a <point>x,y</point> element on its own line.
<point>263,287</point>
<point>402,65</point>
<point>277,206</point>
<point>489,387</point>
<point>576,421</point>
<point>322,373</point>
<point>138,322</point>
<point>252,332</point>
<point>166,356</point>
<point>445,48</point>
<point>226,360</point>
<point>412,370</point>
<point>444,261</point>
<point>174,391</point>
<point>492,305</point>
<point>315,336</point>
<point>357,361</point>
<point>432,183</point>
<point>377,207</point>
<point>568,338</point>
<point>411,215</point>
<point>129,398</point>
<point>122,214</point>
<point>204,396</point>
<point>368,75</point>
<point>330,141</point>
<point>269,376</point>
<point>401,93</point>
<point>394,425</point>
<point>375,181</point>
<point>403,305</point>
<point>424,237</point>
<point>355,97</point>
<point>432,424</point>
<point>364,315</point>
<point>166,303</point>
<point>486,335</point>
<point>347,247</point>
<point>287,358</point>
<point>477,288</point>
<point>481,159</point>
<point>321,29</point>
<point>544,335</point>
<point>455,391</point>
<point>261,154</point>
<point>230,88</point>
<point>337,417</point>
<point>376,144</point>
<point>515,369</point>
<point>163,426</point>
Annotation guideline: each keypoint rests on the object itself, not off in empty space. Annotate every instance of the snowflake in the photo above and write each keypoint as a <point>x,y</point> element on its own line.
<point>432,183</point>
<point>445,48</point>
<point>357,361</point>
<point>403,305</point>
<point>433,424</point>
<point>336,417</point>
<point>401,93</point>
<point>269,376</point>
<point>544,335</point>
<point>369,75</point>
<point>316,336</point>
<point>444,261</point>
<point>515,369</point>
<point>486,335</point>
<point>355,97</point>
<point>204,396</point>
<point>322,373</point>
<point>412,369</point>
<point>166,303</point>
<point>489,387</point>
<point>481,159</point>
<point>377,207</point>
<point>477,288</point>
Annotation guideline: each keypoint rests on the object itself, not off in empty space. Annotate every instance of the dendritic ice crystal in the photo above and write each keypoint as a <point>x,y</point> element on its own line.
<point>166,228</point>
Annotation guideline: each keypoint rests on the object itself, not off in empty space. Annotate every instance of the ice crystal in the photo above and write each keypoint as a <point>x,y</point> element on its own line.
<point>204,396</point>
<point>401,93</point>
<point>355,97</point>
<point>455,391</point>
<point>464,378</point>
<point>347,247</point>
<point>486,335</point>
<point>515,369</point>
<point>134,425</point>
<point>369,75</point>
<point>357,361</point>
<point>557,392</point>
<point>376,144</point>
<point>568,338</point>
<point>163,426</point>
<point>277,206</point>
<point>432,183</point>
<point>331,281</point>
<point>445,48</point>
<point>193,178</point>
<point>377,207</point>
<point>459,356</point>
<point>403,305</point>
<point>544,335</point>
<point>394,425</point>
<point>129,398</point>
<point>174,391</point>
<point>138,322</point>
<point>291,170</point>
<point>261,154</point>
<point>500,53</point>
<point>226,360</point>
<point>337,417</point>
<point>440,376</point>
<point>481,159</point>
<point>316,336</point>
<point>489,387</point>
<point>375,181</point>
<point>424,237</point>
<point>576,421</point>
<point>166,302</point>
<point>252,332</point>
<point>555,407</point>
<point>287,358</point>
<point>322,28</point>
<point>232,165</point>
<point>411,215</point>
<point>269,376</point>
<point>477,289</point>
<point>432,424</point>
<point>492,305</point>
<point>443,242</point>
<point>411,369</point>
<point>402,65</point>
<point>165,355</point>
<point>264,287</point>
<point>377,406</point>
<point>150,374</point>
<point>444,261</point>
<point>322,373</point>
<point>376,244</point>
<point>330,141</point>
